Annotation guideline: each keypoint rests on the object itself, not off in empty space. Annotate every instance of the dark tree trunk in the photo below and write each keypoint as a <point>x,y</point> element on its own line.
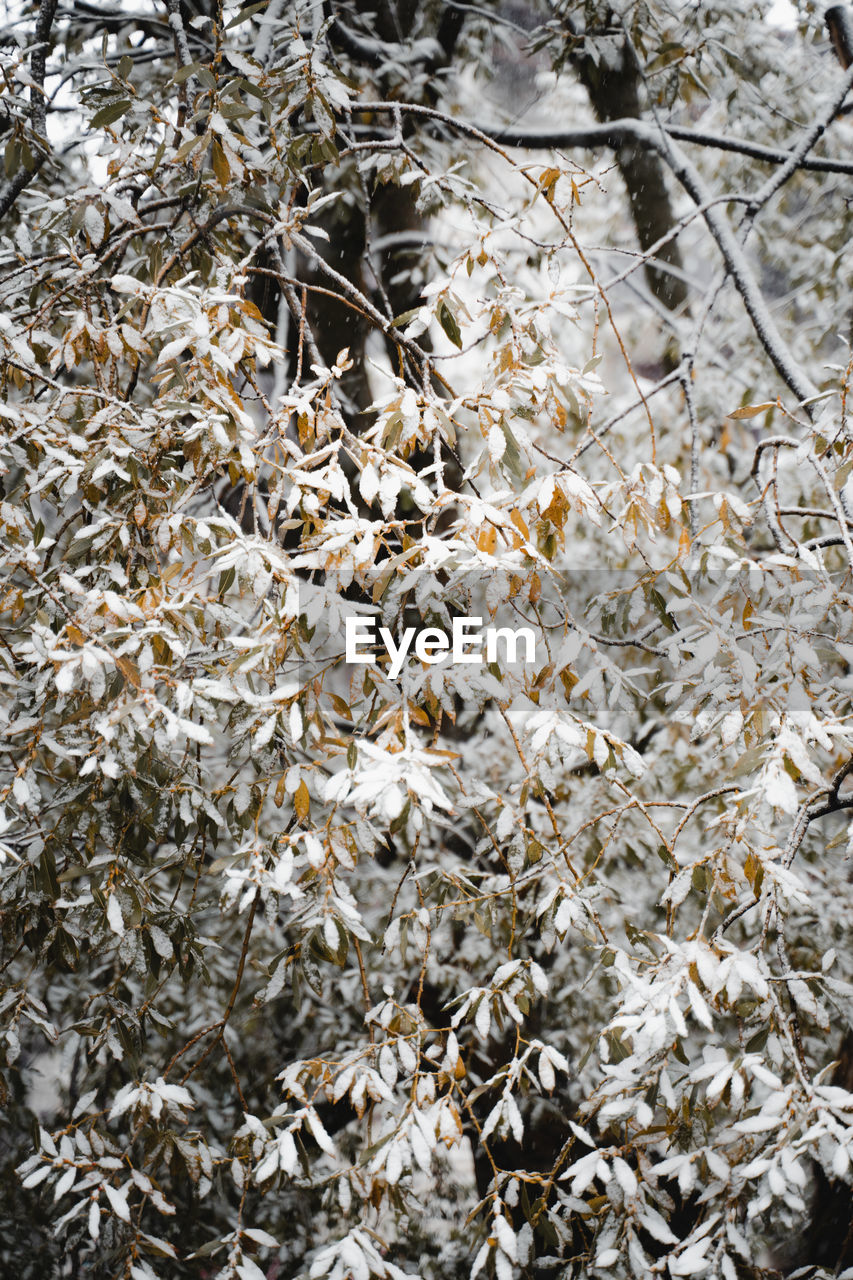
<point>614,84</point>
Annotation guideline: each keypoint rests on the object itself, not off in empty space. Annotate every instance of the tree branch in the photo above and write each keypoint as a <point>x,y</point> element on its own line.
<point>615,133</point>
<point>176,23</point>
<point>738,267</point>
<point>38,65</point>
<point>688,176</point>
<point>13,186</point>
<point>798,155</point>
<point>829,802</point>
<point>418,356</point>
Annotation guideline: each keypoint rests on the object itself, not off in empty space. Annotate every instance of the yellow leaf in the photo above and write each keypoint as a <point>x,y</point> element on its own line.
<point>302,801</point>
<point>752,410</point>
<point>486,539</point>
<point>129,670</point>
<point>220,164</point>
<point>548,181</point>
<point>569,680</point>
<point>342,708</point>
<point>683,543</point>
<point>558,509</point>
<point>518,520</point>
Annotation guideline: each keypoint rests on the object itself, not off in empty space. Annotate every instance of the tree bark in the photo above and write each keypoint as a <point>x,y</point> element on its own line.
<point>613,84</point>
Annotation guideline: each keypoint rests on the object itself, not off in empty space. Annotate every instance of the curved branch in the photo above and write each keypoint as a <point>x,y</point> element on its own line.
<point>12,188</point>
<point>798,155</point>
<point>738,267</point>
<point>828,801</point>
<point>615,133</point>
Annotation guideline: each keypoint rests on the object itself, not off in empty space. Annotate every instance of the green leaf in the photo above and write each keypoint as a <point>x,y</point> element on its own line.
<point>190,145</point>
<point>109,114</point>
<point>48,866</point>
<point>666,857</point>
<point>512,454</point>
<point>658,603</point>
<point>12,156</point>
<point>679,1054</point>
<point>447,320</point>
<point>404,317</point>
<point>399,823</point>
<point>252,89</point>
<point>185,72</point>
<point>245,14</point>
<point>757,1042</point>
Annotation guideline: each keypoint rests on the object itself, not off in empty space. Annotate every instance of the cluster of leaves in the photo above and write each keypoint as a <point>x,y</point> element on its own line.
<point>328,969</point>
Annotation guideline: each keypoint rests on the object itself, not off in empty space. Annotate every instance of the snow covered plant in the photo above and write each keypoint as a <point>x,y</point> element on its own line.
<point>438,962</point>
